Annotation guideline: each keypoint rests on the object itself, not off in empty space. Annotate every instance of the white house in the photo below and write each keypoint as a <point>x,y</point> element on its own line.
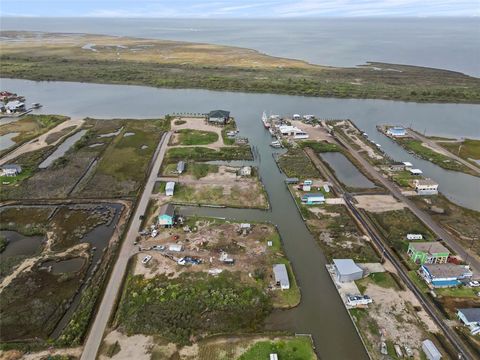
<point>293,131</point>
<point>414,237</point>
<point>169,187</point>
<point>416,172</point>
<point>425,186</point>
<point>14,106</point>
<point>471,318</point>
<point>396,131</point>
<point>245,171</point>
<point>11,170</point>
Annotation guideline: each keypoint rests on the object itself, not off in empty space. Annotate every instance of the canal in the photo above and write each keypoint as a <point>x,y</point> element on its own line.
<point>321,312</point>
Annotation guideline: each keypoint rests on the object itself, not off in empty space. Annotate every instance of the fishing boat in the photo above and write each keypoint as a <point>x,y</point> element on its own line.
<point>276,144</point>
<point>271,131</point>
<point>265,120</point>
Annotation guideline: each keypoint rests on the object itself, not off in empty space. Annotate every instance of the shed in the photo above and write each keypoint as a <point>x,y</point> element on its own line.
<point>347,270</point>
<point>281,276</point>
<point>414,237</point>
<point>11,169</point>
<point>169,187</point>
<point>273,356</point>
<point>245,171</point>
<point>218,116</point>
<point>165,216</point>
<point>292,180</point>
<point>180,167</point>
<point>431,350</point>
<point>175,247</point>
<point>416,172</point>
<point>407,164</point>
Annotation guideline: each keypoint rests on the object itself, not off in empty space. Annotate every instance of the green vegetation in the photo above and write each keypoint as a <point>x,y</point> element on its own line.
<point>295,163</point>
<point>30,127</point>
<point>319,146</point>
<point>395,225</point>
<point>180,122</point>
<point>26,220</point>
<point>191,306</point>
<point>198,153</point>
<point>459,292</point>
<point>200,170</point>
<point>225,68</point>
<point>431,155</point>
<point>403,178</point>
<point>231,126</point>
<point>298,348</point>
<point>467,149</point>
<point>383,279</point>
<point>196,137</point>
<point>3,243</point>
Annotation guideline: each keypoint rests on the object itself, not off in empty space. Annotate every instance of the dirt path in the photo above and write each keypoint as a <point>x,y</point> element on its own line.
<point>199,124</point>
<point>378,203</point>
<point>40,142</point>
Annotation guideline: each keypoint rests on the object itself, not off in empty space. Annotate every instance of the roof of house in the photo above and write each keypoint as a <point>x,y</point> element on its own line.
<point>281,274</point>
<point>11,167</point>
<point>425,182</point>
<point>432,247</point>
<point>471,314</point>
<point>170,185</point>
<point>446,270</point>
<point>407,163</point>
<point>416,171</point>
<point>432,349</point>
<point>181,166</point>
<point>320,195</point>
<point>397,163</point>
<point>219,114</point>
<point>167,209</point>
<point>346,266</point>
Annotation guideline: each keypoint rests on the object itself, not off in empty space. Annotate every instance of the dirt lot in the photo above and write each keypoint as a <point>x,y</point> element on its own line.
<point>317,132</point>
<point>197,124</point>
<point>356,138</point>
<point>378,203</point>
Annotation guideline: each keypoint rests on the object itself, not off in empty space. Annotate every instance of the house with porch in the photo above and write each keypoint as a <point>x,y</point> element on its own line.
<point>166,215</point>
<point>444,275</point>
<point>219,117</point>
<point>471,318</point>
<point>432,252</point>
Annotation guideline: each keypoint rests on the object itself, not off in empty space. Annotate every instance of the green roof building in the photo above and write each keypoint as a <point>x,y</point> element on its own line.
<point>428,252</point>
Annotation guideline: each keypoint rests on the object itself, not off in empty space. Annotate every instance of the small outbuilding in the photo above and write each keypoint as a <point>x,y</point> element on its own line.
<point>169,188</point>
<point>425,186</point>
<point>180,167</point>
<point>416,172</point>
<point>281,276</point>
<point>11,170</point>
<point>220,117</point>
<point>414,237</point>
<point>245,171</point>
<point>346,270</point>
<point>166,214</point>
<point>431,350</point>
<point>292,180</point>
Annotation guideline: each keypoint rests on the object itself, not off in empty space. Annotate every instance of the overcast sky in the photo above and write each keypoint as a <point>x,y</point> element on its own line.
<point>239,8</point>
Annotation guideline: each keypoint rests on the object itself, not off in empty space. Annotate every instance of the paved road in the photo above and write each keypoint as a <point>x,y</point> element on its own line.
<point>442,150</point>
<point>424,217</point>
<point>107,305</point>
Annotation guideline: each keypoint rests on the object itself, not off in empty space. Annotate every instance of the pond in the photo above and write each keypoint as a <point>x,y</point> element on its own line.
<point>20,245</point>
<point>345,171</point>
<point>64,266</point>
<point>62,149</point>
<point>6,140</point>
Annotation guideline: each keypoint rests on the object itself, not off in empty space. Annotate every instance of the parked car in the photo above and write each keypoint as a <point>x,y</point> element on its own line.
<point>146,259</point>
<point>158,247</point>
<point>189,260</point>
<point>474,283</point>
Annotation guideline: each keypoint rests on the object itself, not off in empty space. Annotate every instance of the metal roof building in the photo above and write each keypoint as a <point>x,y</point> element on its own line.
<point>218,116</point>
<point>169,187</point>
<point>180,167</point>
<point>347,270</point>
<point>430,350</point>
<point>281,276</point>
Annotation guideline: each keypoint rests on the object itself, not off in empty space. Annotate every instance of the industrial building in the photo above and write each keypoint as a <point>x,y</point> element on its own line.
<point>346,270</point>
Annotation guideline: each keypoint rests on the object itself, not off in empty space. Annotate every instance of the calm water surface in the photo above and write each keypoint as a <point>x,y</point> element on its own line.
<point>345,171</point>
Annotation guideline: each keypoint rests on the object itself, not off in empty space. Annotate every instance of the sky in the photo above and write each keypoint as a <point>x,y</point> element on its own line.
<point>239,8</point>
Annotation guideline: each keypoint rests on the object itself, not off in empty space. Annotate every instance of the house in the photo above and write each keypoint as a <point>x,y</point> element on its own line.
<point>296,117</point>
<point>414,237</point>
<point>292,180</point>
<point>180,167</point>
<point>245,171</point>
<point>14,106</point>
<point>165,216</point>
<point>396,131</point>
<point>397,166</point>
<point>273,356</point>
<point>430,350</point>
<point>281,276</point>
<point>220,117</point>
<point>425,186</point>
<point>428,252</point>
<point>288,130</point>
<point>408,165</point>
<point>314,198</point>
<point>471,318</point>
<point>307,185</point>
<point>11,170</point>
<point>2,107</point>
<point>415,172</point>
<point>175,247</point>
<point>169,187</point>
<point>445,275</point>
<point>358,300</point>
<point>347,270</point>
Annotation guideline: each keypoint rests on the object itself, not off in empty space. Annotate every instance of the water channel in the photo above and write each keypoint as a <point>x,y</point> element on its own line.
<point>321,312</point>
<point>62,149</point>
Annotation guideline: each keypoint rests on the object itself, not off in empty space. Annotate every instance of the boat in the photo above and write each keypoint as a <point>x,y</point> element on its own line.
<point>271,131</point>
<point>276,144</point>
<point>265,120</point>
<point>36,105</point>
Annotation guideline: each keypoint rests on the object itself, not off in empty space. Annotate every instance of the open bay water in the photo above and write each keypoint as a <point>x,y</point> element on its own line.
<point>445,43</point>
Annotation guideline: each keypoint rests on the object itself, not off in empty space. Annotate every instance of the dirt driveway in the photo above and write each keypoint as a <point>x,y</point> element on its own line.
<point>197,124</point>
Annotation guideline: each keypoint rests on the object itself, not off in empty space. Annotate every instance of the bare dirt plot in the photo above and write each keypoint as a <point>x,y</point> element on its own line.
<point>317,132</point>
<point>197,124</point>
<point>378,203</point>
<point>136,347</point>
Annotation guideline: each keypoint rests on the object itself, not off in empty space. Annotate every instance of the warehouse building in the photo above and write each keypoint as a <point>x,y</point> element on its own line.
<point>281,276</point>
<point>346,270</point>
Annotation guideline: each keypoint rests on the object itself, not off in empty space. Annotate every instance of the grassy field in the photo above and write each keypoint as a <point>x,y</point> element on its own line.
<point>433,156</point>
<point>299,348</point>
<point>467,149</point>
<point>191,306</point>
<point>295,163</point>
<point>30,127</point>
<point>189,65</point>
<point>383,279</point>
<point>198,153</point>
<point>196,137</point>
<point>319,146</point>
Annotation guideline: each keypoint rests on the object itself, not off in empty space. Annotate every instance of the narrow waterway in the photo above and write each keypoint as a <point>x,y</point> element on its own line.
<point>62,149</point>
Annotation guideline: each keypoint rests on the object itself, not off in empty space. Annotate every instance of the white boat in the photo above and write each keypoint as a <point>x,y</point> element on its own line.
<point>265,120</point>
<point>276,144</point>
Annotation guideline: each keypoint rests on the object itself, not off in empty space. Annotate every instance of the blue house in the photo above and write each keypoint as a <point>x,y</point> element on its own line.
<point>314,198</point>
<point>445,275</point>
<point>397,131</point>
<point>165,217</point>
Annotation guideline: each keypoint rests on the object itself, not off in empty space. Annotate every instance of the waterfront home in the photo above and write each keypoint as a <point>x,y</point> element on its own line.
<point>288,130</point>
<point>471,318</point>
<point>396,131</point>
<point>220,117</point>
<point>245,171</point>
<point>358,300</point>
<point>169,188</point>
<point>180,167</point>
<point>314,198</point>
<point>414,237</point>
<point>14,106</point>
<point>2,107</point>
<point>425,186</point>
<point>292,180</point>
<point>415,172</point>
<point>430,350</point>
<point>11,170</point>
<point>444,275</point>
<point>307,185</point>
<point>408,165</point>
<point>428,252</point>
<point>346,270</point>
<point>281,276</point>
<point>165,216</point>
